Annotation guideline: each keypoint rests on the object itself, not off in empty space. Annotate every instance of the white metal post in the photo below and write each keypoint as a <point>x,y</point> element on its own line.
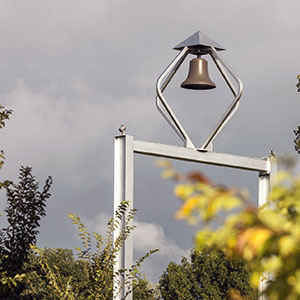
<point>263,194</point>
<point>265,182</point>
<point>263,188</point>
<point>123,191</point>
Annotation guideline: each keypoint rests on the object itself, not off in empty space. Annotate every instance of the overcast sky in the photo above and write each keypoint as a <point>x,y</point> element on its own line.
<point>73,71</point>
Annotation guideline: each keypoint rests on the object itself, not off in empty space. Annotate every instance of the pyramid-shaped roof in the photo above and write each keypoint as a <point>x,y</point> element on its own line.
<point>199,41</point>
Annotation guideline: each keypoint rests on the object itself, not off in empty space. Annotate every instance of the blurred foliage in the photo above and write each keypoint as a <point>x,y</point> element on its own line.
<point>57,274</point>
<point>209,275</point>
<point>267,237</point>
<point>287,162</point>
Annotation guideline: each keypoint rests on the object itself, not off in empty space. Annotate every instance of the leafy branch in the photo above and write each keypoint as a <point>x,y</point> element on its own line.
<point>97,266</point>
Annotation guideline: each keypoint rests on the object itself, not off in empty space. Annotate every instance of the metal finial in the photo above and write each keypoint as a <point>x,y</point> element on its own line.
<point>122,129</point>
<point>272,152</point>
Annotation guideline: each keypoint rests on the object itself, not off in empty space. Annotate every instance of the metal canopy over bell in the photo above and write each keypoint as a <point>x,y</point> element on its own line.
<point>199,41</point>
<point>198,78</point>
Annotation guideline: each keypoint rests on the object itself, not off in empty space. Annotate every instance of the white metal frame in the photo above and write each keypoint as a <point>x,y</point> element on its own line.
<point>126,147</point>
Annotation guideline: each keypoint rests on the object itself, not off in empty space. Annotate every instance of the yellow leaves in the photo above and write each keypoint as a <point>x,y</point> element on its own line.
<point>268,237</point>
<point>278,192</point>
<point>282,176</point>
<point>168,173</point>
<point>11,281</point>
<point>271,219</point>
<point>218,201</point>
<point>187,208</point>
<point>231,243</point>
<point>184,190</point>
<point>271,264</point>
<point>204,238</point>
<point>294,280</point>
<point>19,277</point>
<point>250,242</point>
<point>255,279</point>
<point>227,201</point>
<point>287,245</point>
<point>204,201</point>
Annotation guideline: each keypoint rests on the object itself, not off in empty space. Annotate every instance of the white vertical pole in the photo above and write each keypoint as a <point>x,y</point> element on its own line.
<point>265,183</point>
<point>263,193</point>
<point>123,191</point>
<point>263,188</point>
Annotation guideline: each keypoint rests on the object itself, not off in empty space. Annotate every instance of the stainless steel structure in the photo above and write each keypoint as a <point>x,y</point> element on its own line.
<point>197,44</point>
<point>126,146</point>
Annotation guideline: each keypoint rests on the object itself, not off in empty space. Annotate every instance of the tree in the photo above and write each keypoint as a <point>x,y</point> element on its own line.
<point>4,116</point>
<point>209,275</point>
<point>297,131</point>
<point>37,280</point>
<point>267,237</point>
<point>56,274</point>
<point>297,139</point>
<point>62,267</point>
<point>142,290</point>
<point>25,207</point>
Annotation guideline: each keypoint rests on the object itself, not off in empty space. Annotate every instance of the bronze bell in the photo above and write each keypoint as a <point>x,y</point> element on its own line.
<point>198,78</point>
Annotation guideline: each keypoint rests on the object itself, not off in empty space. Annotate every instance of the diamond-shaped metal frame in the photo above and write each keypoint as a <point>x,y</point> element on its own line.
<point>198,43</point>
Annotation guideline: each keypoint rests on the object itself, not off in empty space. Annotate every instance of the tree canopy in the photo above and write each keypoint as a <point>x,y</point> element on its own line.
<point>25,207</point>
<point>209,275</point>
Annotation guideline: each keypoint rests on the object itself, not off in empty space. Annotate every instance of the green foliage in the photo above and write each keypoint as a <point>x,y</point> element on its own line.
<point>4,115</point>
<point>92,273</point>
<point>179,282</point>
<point>25,207</point>
<point>209,275</point>
<point>142,290</point>
<point>42,283</point>
<point>49,271</point>
<point>297,131</point>
<point>297,139</point>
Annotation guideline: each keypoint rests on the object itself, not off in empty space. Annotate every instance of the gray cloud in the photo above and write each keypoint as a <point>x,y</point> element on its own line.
<point>73,71</point>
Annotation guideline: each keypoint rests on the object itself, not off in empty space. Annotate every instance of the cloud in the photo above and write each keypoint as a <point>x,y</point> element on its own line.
<point>73,76</point>
<point>68,129</point>
<point>151,236</point>
<point>147,236</point>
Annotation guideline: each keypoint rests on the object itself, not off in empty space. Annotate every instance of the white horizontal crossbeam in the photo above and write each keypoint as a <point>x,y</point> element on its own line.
<point>213,158</point>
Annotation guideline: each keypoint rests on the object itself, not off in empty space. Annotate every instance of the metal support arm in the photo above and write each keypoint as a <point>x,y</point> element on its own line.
<point>167,112</point>
<point>220,63</point>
